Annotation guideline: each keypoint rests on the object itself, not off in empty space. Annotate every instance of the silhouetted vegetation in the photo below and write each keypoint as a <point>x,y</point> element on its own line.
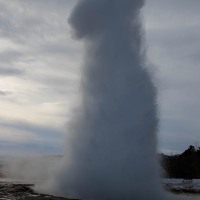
<point>185,165</point>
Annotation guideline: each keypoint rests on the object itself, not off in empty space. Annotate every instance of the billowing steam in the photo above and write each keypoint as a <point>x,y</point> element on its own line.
<point>111,151</point>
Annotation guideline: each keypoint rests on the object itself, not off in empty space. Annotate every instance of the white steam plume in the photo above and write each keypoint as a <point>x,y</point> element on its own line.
<point>111,152</point>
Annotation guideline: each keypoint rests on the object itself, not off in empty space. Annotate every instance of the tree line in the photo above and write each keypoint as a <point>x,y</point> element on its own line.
<point>185,165</point>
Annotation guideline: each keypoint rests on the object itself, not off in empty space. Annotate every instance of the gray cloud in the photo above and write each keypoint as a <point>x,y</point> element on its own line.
<point>8,71</point>
<point>28,148</point>
<point>39,48</point>
<point>10,56</point>
<point>29,21</point>
<point>47,135</point>
<point>58,49</point>
<point>173,35</point>
<point>4,93</point>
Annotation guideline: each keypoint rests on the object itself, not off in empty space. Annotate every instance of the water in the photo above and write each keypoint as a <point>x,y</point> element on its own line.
<point>187,196</point>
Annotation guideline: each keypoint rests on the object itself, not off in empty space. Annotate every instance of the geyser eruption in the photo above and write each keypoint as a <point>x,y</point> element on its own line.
<point>111,151</point>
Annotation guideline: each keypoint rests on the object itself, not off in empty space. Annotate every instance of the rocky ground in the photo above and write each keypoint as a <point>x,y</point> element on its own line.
<point>18,191</point>
<point>9,191</point>
<point>182,186</point>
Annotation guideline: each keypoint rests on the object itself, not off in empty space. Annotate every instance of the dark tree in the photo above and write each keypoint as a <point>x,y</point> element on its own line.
<point>185,165</point>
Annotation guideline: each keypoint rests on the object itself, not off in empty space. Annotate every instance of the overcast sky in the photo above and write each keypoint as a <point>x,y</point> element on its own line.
<point>40,73</point>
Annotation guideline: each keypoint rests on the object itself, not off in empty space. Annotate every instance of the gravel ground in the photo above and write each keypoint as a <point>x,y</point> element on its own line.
<point>180,186</point>
<point>22,191</point>
<point>9,191</point>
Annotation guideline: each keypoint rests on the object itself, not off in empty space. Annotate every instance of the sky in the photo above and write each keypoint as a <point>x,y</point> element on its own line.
<point>40,73</point>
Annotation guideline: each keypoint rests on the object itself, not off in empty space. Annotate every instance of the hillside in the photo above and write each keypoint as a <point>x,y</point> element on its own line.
<point>185,165</point>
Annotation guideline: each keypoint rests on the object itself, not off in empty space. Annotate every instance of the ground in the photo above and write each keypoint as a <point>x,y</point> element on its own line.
<point>23,191</point>
<point>182,186</point>
<point>10,191</point>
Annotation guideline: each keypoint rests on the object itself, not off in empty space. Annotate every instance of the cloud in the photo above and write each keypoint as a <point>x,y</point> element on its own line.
<point>24,135</point>
<point>29,148</point>
<point>43,48</point>
<point>173,36</point>
<point>41,132</point>
<point>10,71</point>
<point>40,62</point>
<point>4,93</point>
<point>35,21</point>
<point>9,56</point>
